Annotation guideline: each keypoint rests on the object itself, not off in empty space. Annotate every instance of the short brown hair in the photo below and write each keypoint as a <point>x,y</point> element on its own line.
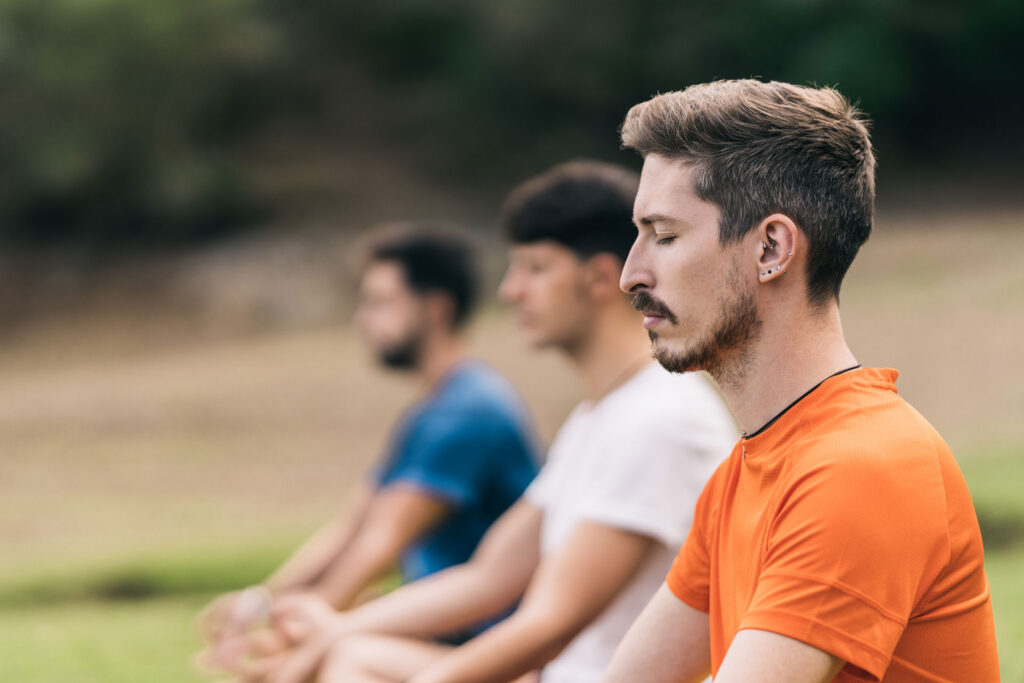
<point>434,258</point>
<point>761,148</point>
<point>586,206</point>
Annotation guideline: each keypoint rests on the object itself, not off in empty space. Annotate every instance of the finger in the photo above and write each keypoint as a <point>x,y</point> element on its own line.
<point>301,665</point>
<point>265,642</point>
<point>227,655</point>
<point>260,668</point>
<point>210,620</point>
<point>294,627</point>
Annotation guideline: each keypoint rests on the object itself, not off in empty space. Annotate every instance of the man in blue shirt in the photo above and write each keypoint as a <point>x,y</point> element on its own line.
<point>457,459</point>
<point>465,445</point>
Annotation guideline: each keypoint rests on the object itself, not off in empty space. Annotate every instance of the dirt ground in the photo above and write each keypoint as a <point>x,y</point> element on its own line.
<point>126,434</point>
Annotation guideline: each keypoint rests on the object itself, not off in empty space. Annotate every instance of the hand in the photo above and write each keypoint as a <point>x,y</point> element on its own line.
<point>226,625</point>
<point>301,615</point>
<point>244,655</point>
<point>310,623</point>
<point>234,613</point>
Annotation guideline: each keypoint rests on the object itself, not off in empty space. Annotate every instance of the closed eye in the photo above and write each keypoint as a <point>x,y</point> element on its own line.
<point>668,239</point>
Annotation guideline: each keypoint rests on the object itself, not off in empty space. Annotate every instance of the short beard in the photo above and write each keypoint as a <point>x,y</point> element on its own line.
<point>738,326</point>
<point>405,355</point>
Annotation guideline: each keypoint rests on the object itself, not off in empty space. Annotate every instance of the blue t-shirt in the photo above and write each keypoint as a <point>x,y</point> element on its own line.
<point>471,442</point>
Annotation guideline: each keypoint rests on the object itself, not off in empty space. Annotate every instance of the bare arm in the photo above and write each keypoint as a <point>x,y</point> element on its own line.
<point>669,642</point>
<point>393,519</point>
<point>763,657</point>
<point>311,560</point>
<point>340,560</point>
<point>493,579</point>
<point>569,590</point>
<point>231,614</point>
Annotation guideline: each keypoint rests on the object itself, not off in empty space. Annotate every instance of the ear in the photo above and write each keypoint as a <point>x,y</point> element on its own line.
<point>440,309</point>
<point>778,242</point>
<point>603,272</point>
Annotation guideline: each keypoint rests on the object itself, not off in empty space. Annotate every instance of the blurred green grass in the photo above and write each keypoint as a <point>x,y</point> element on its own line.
<point>100,642</point>
<point>183,572</point>
<point>134,620</point>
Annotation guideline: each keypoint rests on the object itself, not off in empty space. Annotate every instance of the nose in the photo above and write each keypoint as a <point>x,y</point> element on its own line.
<point>635,272</point>
<point>509,290</point>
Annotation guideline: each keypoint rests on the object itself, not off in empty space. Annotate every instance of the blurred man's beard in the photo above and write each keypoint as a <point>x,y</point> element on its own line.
<point>404,355</point>
<point>738,325</point>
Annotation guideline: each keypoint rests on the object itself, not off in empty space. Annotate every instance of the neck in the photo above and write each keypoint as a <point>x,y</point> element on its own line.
<point>441,352</point>
<point>615,349</point>
<point>792,354</point>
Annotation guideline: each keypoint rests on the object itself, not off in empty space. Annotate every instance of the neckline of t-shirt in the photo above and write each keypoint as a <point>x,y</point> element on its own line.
<point>588,407</point>
<point>458,368</point>
<point>804,395</point>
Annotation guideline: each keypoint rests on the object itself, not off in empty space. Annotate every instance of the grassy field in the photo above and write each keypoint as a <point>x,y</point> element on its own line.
<point>145,468</point>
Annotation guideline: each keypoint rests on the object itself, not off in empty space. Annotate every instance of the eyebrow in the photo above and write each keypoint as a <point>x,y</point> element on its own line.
<point>650,220</point>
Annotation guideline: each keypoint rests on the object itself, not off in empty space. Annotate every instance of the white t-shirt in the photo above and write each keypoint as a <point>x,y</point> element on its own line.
<point>636,460</point>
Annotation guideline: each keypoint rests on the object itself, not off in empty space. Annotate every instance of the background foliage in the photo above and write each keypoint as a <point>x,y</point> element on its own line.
<point>128,121</point>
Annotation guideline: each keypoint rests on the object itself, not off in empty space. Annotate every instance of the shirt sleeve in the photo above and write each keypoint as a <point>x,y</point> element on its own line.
<point>445,457</point>
<point>541,491</point>
<point>689,579</point>
<point>649,479</point>
<point>848,554</point>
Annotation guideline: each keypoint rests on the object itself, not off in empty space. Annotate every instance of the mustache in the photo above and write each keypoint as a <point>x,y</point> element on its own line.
<point>645,303</point>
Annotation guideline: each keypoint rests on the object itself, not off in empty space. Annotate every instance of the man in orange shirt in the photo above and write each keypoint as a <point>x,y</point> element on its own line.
<point>838,541</point>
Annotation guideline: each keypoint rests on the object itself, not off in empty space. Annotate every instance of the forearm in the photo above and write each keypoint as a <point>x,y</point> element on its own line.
<point>365,561</point>
<point>524,642</point>
<point>309,563</point>
<point>445,602</point>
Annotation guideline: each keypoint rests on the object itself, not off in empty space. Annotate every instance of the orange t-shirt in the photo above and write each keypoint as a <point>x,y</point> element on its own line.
<point>846,524</point>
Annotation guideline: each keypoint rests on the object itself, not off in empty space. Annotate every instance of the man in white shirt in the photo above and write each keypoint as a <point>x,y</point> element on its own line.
<point>588,544</point>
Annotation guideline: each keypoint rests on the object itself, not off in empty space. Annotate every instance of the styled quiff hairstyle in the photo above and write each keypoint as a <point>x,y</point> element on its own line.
<point>763,148</point>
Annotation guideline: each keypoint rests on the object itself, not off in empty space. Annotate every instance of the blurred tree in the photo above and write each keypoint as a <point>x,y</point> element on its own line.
<point>116,116</point>
<point>123,119</point>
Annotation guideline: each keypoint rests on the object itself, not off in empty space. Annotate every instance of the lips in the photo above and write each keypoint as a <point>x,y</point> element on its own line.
<point>654,311</point>
<point>652,320</point>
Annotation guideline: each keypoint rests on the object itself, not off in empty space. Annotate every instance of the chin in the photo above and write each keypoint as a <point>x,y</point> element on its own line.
<point>677,360</point>
<point>540,343</point>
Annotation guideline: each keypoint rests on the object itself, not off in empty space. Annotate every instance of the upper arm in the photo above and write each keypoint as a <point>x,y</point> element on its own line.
<point>567,593</point>
<point>446,456</point>
<point>509,552</point>
<point>757,656</point>
<point>668,643</point>
<point>398,515</point>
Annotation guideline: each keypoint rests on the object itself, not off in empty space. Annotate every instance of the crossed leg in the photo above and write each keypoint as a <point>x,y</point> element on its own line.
<point>379,659</point>
<point>385,659</point>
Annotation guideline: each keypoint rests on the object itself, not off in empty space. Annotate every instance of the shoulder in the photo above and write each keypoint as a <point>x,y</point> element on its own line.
<point>667,412</point>
<point>656,394</point>
<point>883,439</point>
<point>477,390</point>
<point>878,471</point>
